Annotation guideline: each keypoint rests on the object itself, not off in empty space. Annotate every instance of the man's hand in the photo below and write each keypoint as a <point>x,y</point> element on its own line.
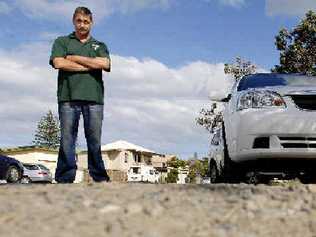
<point>68,65</point>
<point>92,63</point>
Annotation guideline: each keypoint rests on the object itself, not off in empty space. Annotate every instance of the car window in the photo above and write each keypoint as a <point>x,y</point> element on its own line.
<point>136,170</point>
<point>274,79</point>
<point>43,167</point>
<point>31,167</point>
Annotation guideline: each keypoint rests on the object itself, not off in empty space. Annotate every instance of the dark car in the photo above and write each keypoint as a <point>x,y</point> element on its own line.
<point>11,169</point>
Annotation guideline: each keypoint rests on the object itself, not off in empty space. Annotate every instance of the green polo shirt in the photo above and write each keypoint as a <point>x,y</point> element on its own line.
<point>84,86</point>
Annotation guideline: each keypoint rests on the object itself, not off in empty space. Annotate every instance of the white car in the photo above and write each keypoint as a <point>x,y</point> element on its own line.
<point>143,173</point>
<point>270,126</point>
<point>36,173</point>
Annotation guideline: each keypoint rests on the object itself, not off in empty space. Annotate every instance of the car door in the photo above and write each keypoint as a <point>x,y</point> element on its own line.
<point>3,167</point>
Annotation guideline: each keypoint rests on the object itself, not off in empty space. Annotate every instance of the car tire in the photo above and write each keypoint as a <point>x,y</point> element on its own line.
<point>13,174</point>
<point>308,178</point>
<point>252,178</point>
<point>231,173</point>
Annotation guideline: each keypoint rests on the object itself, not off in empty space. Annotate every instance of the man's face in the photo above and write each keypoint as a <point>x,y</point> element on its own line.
<point>82,23</point>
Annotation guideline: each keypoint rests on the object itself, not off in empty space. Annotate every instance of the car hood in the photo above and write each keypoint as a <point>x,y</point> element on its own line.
<point>290,90</point>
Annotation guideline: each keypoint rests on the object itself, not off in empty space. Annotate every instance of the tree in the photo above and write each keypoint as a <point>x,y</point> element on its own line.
<point>172,176</point>
<point>48,132</point>
<point>213,117</point>
<point>298,47</point>
<point>210,118</point>
<point>176,163</point>
<point>198,167</point>
<point>240,68</point>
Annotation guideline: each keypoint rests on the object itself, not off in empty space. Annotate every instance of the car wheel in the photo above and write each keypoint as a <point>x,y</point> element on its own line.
<point>308,178</point>
<point>13,174</point>
<point>252,178</point>
<point>213,173</point>
<point>26,180</point>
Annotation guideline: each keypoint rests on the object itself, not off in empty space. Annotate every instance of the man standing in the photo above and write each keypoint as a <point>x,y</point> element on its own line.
<point>80,60</point>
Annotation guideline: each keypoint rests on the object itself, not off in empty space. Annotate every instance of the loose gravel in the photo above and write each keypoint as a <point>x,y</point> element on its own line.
<point>148,210</point>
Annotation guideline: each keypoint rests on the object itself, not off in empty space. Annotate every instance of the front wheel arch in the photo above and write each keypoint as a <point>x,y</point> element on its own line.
<point>231,170</point>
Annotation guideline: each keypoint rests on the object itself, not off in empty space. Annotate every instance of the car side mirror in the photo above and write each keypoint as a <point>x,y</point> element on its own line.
<point>227,99</point>
<point>217,98</point>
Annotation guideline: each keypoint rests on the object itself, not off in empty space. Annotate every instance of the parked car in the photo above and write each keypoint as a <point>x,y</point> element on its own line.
<point>270,126</point>
<point>36,173</point>
<point>143,173</point>
<point>206,180</point>
<point>11,170</point>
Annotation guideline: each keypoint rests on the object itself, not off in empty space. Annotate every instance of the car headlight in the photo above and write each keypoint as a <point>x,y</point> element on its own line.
<point>260,99</point>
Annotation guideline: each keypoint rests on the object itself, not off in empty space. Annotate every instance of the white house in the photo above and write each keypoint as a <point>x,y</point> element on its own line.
<point>119,156</point>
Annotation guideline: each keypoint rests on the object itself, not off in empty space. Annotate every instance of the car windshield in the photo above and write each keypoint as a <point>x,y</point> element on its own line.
<point>135,170</point>
<point>274,79</point>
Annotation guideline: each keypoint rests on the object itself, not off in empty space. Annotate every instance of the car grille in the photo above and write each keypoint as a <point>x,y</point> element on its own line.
<point>298,142</point>
<point>307,102</point>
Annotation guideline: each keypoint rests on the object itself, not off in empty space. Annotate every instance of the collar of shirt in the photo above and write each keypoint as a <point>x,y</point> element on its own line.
<point>73,36</point>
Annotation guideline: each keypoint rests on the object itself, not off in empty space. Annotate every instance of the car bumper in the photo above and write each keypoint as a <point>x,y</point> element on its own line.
<point>134,179</point>
<point>285,134</point>
<point>42,179</point>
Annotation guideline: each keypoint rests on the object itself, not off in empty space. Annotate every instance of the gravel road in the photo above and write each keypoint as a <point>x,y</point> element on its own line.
<point>148,210</point>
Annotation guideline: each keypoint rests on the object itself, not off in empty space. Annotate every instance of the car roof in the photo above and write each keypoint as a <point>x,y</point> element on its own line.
<point>8,157</point>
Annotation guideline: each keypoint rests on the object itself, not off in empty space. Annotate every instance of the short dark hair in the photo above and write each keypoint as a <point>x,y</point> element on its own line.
<point>82,10</point>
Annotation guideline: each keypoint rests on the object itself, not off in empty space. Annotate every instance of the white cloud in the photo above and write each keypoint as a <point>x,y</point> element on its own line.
<point>289,7</point>
<point>49,36</point>
<point>233,3</point>
<point>147,102</point>
<point>4,8</point>
<point>60,9</point>
<point>150,78</point>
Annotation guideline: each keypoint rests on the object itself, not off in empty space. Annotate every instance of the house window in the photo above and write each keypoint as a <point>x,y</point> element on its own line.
<point>125,157</point>
<point>137,157</point>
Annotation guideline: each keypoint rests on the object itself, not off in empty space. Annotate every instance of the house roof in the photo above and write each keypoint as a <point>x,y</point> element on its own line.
<point>124,145</point>
<point>23,149</point>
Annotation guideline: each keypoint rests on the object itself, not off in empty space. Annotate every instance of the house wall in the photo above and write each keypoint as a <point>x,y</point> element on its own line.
<point>117,160</point>
<point>160,161</point>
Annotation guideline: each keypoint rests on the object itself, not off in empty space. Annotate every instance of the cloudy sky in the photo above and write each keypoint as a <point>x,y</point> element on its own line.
<point>167,57</point>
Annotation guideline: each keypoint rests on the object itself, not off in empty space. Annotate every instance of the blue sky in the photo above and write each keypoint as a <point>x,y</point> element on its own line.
<point>167,56</point>
<point>185,31</point>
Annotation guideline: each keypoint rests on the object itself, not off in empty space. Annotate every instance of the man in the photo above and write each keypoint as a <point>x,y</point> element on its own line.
<point>80,60</point>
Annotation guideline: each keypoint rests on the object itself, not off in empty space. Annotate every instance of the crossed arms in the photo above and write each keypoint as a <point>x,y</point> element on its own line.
<point>76,63</point>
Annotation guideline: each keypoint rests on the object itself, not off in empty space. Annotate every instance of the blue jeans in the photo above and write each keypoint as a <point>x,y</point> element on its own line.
<point>69,116</point>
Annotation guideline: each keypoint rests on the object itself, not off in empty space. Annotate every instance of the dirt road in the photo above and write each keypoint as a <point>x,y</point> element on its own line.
<point>84,210</point>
